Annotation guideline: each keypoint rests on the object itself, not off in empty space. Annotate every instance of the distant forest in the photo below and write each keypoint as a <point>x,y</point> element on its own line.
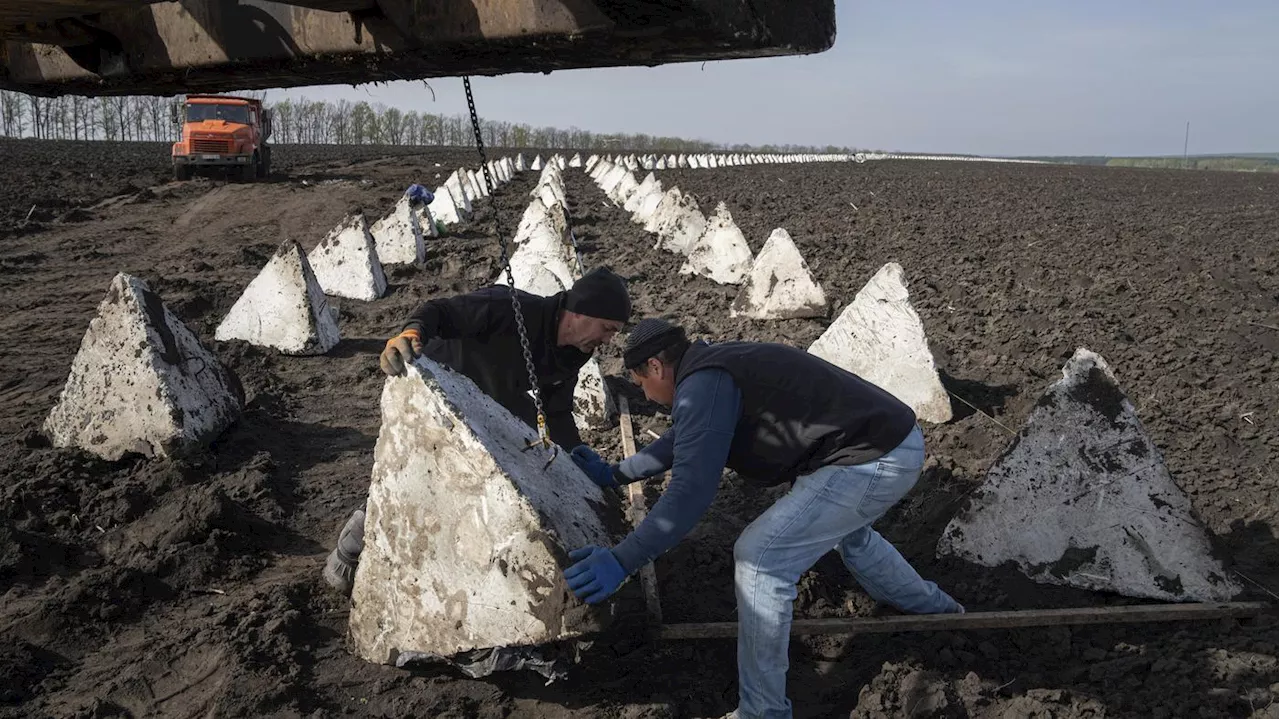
<point>343,123</point>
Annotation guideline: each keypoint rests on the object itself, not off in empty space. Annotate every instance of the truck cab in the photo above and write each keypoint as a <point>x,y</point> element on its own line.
<point>222,132</point>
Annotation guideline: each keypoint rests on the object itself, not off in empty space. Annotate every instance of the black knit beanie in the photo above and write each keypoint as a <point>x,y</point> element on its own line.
<point>600,293</point>
<point>650,337</point>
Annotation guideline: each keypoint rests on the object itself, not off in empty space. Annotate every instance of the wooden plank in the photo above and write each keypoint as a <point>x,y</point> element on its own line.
<point>628,431</point>
<point>635,496</point>
<point>989,620</point>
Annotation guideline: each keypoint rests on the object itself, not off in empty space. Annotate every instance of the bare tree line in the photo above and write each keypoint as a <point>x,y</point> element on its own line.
<point>148,118</point>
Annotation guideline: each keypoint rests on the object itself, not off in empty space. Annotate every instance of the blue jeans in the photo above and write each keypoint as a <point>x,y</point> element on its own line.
<point>832,507</point>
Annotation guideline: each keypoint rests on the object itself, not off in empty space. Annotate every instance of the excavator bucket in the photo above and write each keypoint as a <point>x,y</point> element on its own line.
<point>129,47</point>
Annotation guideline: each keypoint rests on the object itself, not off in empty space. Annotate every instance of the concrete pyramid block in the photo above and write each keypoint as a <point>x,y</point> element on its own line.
<point>682,161</point>
<point>1081,497</point>
<point>346,262</point>
<point>283,307</point>
<point>576,160</point>
<point>600,169</point>
<point>609,180</point>
<point>461,195</point>
<point>543,262</point>
<point>398,237</point>
<point>679,223</point>
<point>534,213</point>
<point>590,163</point>
<point>779,286</point>
<point>670,198</point>
<point>593,406</point>
<point>142,382</point>
<point>537,275</point>
<point>520,166</point>
<point>474,184</point>
<point>444,207</point>
<point>467,536</point>
<point>625,188</point>
<point>647,163</point>
<point>508,168</point>
<point>633,202</point>
<point>548,195</point>
<point>880,338</point>
<point>722,253</point>
<point>537,163</point>
<point>648,205</point>
<point>661,164</point>
<point>547,226</point>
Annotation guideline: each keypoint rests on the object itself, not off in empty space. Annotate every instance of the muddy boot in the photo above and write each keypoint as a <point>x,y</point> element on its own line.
<point>340,567</point>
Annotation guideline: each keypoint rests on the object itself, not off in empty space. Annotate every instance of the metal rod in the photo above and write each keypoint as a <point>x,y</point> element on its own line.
<point>635,494</point>
<point>1186,141</point>
<point>988,620</point>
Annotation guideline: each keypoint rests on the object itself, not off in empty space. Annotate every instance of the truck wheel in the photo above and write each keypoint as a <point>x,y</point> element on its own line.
<point>250,171</point>
<point>181,172</point>
<point>264,169</point>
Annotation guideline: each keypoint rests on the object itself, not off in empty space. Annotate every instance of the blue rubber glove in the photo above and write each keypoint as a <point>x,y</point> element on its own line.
<point>594,466</point>
<point>420,194</point>
<point>596,575</point>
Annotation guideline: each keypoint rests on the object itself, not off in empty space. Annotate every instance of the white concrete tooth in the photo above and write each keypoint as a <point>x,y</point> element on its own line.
<point>780,285</point>
<point>648,205</point>
<point>520,166</point>
<point>346,262</point>
<point>461,200</point>
<point>880,338</point>
<point>466,535</point>
<point>576,160</point>
<point>624,189</point>
<point>537,163</point>
<point>444,208</point>
<point>142,383</point>
<point>610,179</point>
<point>1081,497</point>
<point>679,224</point>
<point>721,254</point>
<point>283,308</point>
<point>593,406</point>
<point>477,187</point>
<point>641,192</point>
<point>398,237</point>
<point>600,169</point>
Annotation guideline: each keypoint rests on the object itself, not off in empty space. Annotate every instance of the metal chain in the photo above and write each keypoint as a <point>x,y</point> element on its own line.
<point>505,261</point>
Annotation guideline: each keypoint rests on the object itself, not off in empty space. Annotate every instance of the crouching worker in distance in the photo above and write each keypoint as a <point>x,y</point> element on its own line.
<point>773,414</point>
<point>475,334</point>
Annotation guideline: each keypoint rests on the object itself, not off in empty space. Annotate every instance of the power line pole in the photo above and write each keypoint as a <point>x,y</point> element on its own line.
<point>1185,141</point>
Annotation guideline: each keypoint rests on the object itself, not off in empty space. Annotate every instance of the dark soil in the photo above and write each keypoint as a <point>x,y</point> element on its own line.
<point>193,588</point>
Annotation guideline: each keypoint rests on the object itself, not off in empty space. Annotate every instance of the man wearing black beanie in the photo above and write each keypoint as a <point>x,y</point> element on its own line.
<point>475,334</point>
<point>773,414</point>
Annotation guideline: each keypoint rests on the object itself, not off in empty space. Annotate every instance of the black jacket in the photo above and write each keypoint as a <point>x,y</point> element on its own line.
<point>800,412</point>
<point>475,334</point>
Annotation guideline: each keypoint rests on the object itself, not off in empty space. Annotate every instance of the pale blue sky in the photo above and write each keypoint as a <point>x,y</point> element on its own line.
<point>987,77</point>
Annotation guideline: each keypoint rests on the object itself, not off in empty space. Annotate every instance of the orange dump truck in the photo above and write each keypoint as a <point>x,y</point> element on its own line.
<point>223,133</point>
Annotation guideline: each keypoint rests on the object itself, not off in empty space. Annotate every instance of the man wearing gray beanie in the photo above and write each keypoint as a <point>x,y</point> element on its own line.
<point>773,414</point>
<point>475,334</point>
